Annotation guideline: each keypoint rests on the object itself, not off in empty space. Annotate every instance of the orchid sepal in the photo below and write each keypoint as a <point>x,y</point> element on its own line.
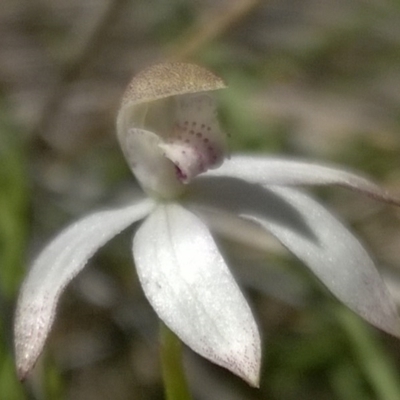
<point>191,289</point>
<point>54,268</point>
<point>291,172</point>
<point>312,234</point>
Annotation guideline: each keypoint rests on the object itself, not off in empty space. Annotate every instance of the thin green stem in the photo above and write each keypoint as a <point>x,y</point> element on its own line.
<point>175,384</point>
<point>375,361</point>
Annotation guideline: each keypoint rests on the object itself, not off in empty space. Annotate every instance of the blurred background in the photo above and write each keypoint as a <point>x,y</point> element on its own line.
<point>311,79</point>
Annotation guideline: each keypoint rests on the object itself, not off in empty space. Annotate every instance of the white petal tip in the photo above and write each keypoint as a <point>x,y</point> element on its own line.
<point>252,377</point>
<point>248,370</point>
<point>243,359</point>
<point>254,382</point>
<point>33,322</point>
<point>29,341</point>
<point>26,357</point>
<point>23,371</point>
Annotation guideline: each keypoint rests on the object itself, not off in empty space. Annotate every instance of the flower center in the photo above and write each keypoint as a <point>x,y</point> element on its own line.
<point>196,142</point>
<point>182,142</point>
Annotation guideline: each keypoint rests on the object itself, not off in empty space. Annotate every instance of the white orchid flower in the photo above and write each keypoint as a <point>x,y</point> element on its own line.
<point>169,134</point>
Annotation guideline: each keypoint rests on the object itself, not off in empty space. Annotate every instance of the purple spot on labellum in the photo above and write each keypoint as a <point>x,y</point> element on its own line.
<point>180,174</point>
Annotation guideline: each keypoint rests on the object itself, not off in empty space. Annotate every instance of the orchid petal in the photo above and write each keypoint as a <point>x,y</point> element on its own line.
<point>197,143</point>
<point>155,173</point>
<point>338,259</point>
<point>283,172</point>
<point>55,267</point>
<point>192,290</point>
<point>317,238</point>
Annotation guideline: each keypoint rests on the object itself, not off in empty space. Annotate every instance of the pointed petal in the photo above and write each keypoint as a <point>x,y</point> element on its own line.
<point>58,263</point>
<point>192,290</point>
<point>283,172</point>
<point>338,259</point>
<point>317,238</point>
